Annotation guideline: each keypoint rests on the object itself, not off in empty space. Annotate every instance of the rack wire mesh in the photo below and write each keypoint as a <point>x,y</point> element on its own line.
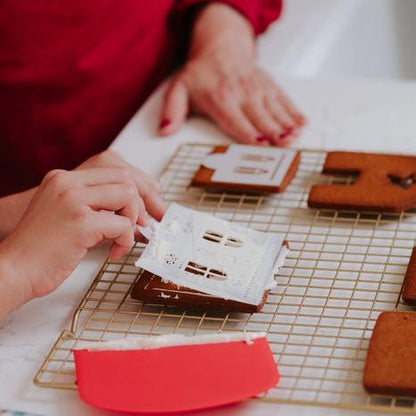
<point>343,270</point>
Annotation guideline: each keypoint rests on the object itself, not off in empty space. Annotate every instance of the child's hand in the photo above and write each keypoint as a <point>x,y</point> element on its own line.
<point>70,213</point>
<point>148,188</point>
<point>12,207</point>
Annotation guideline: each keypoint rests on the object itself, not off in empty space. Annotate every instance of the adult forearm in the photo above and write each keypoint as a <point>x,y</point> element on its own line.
<point>12,208</point>
<point>214,24</point>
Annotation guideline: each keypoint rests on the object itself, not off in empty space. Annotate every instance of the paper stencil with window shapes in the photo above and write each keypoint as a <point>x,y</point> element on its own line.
<point>248,168</point>
<point>216,258</point>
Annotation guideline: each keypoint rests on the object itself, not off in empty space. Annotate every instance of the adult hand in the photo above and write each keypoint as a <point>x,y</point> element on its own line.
<point>221,81</point>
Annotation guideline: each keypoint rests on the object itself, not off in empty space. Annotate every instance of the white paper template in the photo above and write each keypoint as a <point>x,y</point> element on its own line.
<point>211,255</point>
<point>253,165</point>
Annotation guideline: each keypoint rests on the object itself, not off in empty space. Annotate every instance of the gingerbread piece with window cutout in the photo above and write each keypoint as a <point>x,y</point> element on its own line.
<point>196,260</point>
<point>245,168</point>
<point>383,183</point>
<point>153,289</point>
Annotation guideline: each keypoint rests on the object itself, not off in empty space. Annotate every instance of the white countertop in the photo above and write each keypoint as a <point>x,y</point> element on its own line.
<point>359,115</point>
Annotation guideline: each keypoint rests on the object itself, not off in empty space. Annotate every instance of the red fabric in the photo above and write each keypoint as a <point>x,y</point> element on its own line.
<point>72,73</point>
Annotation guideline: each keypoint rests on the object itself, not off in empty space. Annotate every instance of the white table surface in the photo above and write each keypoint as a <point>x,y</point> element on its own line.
<point>359,115</point>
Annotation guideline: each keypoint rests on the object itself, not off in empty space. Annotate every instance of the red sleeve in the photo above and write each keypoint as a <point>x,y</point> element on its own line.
<point>260,13</point>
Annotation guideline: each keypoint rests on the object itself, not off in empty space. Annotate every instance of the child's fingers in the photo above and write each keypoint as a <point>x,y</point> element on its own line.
<point>63,180</point>
<point>120,198</point>
<point>111,158</point>
<point>143,218</point>
<point>116,189</point>
<point>154,205</point>
<point>147,187</point>
<point>115,228</point>
<point>153,201</point>
<point>117,252</point>
<point>139,177</point>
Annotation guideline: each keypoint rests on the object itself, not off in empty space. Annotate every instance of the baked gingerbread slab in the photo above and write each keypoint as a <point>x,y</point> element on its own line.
<point>390,367</point>
<point>247,169</point>
<point>152,289</point>
<point>384,183</point>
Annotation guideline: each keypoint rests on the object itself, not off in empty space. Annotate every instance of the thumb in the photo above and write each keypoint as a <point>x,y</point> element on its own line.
<point>175,108</point>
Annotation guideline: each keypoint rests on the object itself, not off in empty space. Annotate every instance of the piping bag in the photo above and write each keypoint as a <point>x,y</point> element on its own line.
<point>174,373</point>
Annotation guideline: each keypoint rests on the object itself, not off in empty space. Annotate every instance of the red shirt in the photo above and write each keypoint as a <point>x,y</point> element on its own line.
<point>72,73</point>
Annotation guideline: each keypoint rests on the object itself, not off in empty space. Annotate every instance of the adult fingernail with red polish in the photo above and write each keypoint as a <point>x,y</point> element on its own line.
<point>301,119</point>
<point>289,131</point>
<point>262,139</point>
<point>164,122</point>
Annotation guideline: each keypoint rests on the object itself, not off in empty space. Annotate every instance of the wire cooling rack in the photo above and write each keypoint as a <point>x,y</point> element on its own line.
<point>343,270</point>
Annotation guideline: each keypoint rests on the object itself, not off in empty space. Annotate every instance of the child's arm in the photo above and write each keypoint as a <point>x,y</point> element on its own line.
<point>13,206</point>
<point>70,213</point>
<point>13,290</point>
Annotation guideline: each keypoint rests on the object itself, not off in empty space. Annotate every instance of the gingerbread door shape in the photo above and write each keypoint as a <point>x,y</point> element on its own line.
<point>384,183</point>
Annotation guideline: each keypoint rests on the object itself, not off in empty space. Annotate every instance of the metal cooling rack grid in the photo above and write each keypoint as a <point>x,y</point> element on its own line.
<point>344,268</point>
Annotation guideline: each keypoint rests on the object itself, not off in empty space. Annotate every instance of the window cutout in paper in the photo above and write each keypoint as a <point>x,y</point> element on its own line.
<point>250,170</point>
<point>212,236</point>
<point>234,242</point>
<point>196,268</point>
<point>216,237</point>
<point>217,274</point>
<point>257,158</point>
<point>201,270</point>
